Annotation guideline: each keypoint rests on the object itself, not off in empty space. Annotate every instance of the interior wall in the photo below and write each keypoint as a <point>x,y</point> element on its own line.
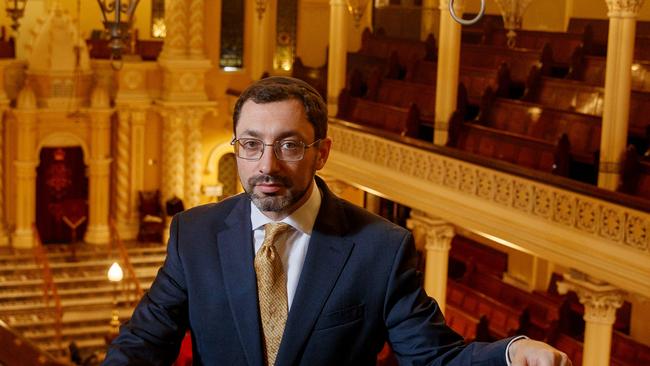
<point>313,32</point>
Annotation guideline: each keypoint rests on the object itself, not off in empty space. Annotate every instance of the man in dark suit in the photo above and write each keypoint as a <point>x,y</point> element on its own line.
<point>328,286</point>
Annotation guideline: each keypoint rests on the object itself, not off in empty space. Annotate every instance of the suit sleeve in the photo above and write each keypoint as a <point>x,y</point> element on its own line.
<point>154,333</point>
<point>416,327</point>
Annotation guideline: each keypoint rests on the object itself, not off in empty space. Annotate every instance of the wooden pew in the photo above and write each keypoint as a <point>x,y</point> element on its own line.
<point>571,346</point>
<point>591,70</point>
<point>402,121</point>
<point>379,45</point>
<point>511,147</point>
<point>481,258</point>
<point>519,60</point>
<point>402,94</point>
<point>544,314</point>
<point>7,45</point>
<point>360,67</point>
<point>467,325</point>
<point>503,320</point>
<point>475,79</point>
<point>635,175</point>
<point>314,76</point>
<point>543,123</point>
<point>600,30</point>
<point>572,95</point>
<point>561,43</point>
<point>627,351</point>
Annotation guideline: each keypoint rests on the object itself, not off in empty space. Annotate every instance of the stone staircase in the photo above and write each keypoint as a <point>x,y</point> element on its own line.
<point>86,296</point>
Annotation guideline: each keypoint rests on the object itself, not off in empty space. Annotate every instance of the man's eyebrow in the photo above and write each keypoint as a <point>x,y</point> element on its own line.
<point>282,136</point>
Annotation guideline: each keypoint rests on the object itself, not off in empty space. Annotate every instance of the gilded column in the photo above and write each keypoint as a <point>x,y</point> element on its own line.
<point>428,23</point>
<point>337,56</point>
<point>25,165</point>
<point>4,238</point>
<point>435,236</point>
<point>196,29</point>
<point>176,22</point>
<point>99,162</point>
<point>616,106</point>
<point>448,66</point>
<point>262,43</point>
<point>173,154</point>
<point>601,301</point>
<point>122,172</point>
<point>138,121</point>
<point>194,157</point>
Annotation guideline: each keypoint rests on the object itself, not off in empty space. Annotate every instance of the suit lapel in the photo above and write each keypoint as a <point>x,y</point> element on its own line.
<point>327,254</point>
<point>236,255</point>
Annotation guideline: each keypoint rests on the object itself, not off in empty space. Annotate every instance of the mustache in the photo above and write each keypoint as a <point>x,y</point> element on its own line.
<point>269,179</point>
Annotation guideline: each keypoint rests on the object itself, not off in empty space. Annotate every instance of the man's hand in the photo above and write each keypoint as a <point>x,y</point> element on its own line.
<point>527,352</point>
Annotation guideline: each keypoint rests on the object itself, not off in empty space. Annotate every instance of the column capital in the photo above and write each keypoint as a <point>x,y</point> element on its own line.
<point>438,233</point>
<point>601,300</point>
<point>623,8</point>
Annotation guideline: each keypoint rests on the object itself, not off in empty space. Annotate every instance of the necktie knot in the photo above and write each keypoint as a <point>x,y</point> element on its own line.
<point>274,230</point>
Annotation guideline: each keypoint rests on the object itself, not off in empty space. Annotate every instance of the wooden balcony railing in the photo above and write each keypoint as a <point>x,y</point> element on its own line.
<point>130,285</point>
<point>17,350</point>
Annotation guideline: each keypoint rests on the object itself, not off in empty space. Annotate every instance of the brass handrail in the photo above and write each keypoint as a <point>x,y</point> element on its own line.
<point>49,287</point>
<point>130,271</point>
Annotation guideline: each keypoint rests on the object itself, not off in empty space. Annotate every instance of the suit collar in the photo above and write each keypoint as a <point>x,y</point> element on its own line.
<point>327,254</point>
<point>234,240</point>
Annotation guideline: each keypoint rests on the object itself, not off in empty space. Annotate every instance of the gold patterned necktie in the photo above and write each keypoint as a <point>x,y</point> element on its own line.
<point>271,290</point>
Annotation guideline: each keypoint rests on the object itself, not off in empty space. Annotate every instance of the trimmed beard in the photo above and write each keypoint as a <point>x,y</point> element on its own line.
<point>274,203</point>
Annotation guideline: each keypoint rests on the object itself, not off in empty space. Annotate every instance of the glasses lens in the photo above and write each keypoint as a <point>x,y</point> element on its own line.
<point>250,149</point>
<point>289,150</point>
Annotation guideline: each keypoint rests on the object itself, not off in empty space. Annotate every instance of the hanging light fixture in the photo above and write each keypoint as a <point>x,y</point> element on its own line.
<point>118,16</point>
<point>356,9</point>
<point>512,12</point>
<point>15,10</point>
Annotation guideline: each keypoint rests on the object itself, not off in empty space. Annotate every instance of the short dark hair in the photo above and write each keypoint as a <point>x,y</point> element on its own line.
<point>280,88</point>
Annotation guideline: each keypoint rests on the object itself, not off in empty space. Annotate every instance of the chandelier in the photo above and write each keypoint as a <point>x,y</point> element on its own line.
<point>356,9</point>
<point>118,16</point>
<point>512,12</point>
<point>15,10</point>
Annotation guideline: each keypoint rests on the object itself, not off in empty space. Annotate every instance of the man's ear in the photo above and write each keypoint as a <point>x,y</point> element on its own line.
<point>324,147</point>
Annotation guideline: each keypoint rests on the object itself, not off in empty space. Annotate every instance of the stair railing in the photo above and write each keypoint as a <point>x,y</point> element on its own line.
<point>50,291</point>
<point>130,285</point>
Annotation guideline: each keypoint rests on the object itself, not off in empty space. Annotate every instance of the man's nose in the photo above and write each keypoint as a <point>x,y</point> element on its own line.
<point>269,163</point>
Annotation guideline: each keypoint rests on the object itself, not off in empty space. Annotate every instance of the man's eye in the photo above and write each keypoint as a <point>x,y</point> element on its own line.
<point>289,145</point>
<point>250,144</point>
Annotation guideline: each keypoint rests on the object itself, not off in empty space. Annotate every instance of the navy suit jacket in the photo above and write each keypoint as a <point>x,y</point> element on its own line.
<point>358,288</point>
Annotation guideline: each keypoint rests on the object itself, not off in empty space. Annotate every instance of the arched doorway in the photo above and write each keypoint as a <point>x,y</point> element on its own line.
<point>227,175</point>
<point>61,195</point>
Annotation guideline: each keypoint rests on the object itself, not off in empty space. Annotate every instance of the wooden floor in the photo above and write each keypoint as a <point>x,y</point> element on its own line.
<point>87,297</point>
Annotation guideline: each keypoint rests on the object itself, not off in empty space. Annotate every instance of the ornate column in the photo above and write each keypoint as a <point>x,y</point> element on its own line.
<point>197,12</point>
<point>99,163</point>
<point>132,101</point>
<point>173,154</point>
<point>262,43</point>
<point>194,159</point>
<point>337,56</point>
<point>25,165</point>
<point>428,22</point>
<point>176,22</point>
<point>4,238</point>
<point>448,66</point>
<point>436,235</point>
<point>123,172</point>
<point>616,105</point>
<point>601,301</point>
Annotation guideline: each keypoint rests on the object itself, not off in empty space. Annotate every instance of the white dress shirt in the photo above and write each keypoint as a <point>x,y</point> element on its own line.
<point>293,245</point>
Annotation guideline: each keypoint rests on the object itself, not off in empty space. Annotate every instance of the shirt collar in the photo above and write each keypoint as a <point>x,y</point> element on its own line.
<point>302,219</point>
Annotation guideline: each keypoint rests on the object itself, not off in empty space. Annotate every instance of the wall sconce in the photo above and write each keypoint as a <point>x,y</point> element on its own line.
<point>117,27</point>
<point>15,10</point>
<point>115,276</point>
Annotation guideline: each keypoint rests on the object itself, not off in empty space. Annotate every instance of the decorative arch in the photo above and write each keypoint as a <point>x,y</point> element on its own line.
<point>62,139</point>
<point>212,166</point>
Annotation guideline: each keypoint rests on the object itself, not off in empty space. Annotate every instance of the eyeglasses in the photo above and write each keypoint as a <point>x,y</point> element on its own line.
<point>286,150</point>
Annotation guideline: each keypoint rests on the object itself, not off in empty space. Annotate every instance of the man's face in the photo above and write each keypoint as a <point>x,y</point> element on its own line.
<point>275,186</point>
